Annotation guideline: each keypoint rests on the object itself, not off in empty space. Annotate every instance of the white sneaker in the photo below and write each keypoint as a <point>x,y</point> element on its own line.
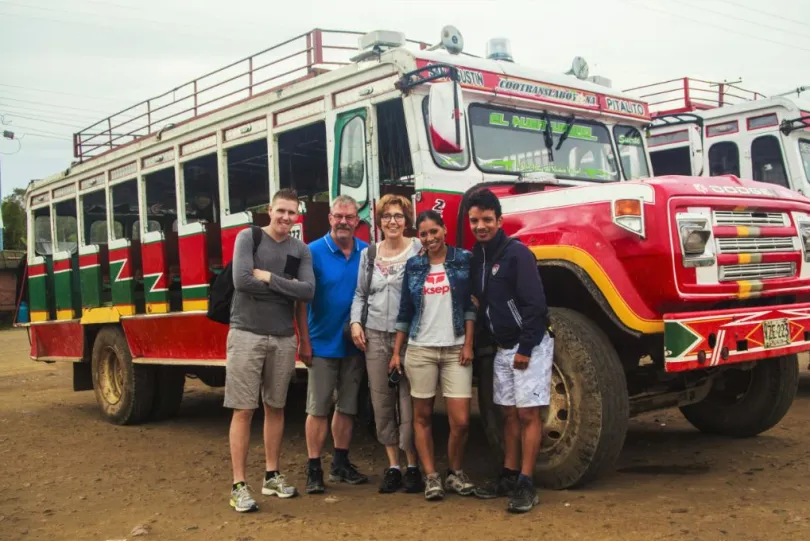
<point>242,501</point>
<point>459,483</point>
<point>278,486</point>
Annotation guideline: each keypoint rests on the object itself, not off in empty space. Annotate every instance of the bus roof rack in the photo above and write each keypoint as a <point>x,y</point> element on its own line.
<point>688,94</point>
<point>301,57</point>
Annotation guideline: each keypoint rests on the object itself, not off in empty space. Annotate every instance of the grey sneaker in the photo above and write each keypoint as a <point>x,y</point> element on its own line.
<point>278,486</point>
<point>241,500</point>
<point>459,483</point>
<point>433,487</point>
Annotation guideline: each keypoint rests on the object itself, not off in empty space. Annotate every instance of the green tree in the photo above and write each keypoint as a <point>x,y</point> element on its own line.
<point>14,222</point>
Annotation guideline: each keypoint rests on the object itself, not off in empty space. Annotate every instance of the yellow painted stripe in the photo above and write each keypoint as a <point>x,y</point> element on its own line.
<point>749,288</point>
<point>744,259</point>
<point>125,309</point>
<point>101,314</point>
<point>39,315</point>
<point>740,209</point>
<point>586,262</point>
<point>195,305</point>
<point>64,314</point>
<point>743,231</point>
<point>157,307</point>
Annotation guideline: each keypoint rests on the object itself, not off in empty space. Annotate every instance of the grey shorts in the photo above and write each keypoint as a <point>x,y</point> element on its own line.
<point>327,374</point>
<point>524,388</point>
<point>258,363</point>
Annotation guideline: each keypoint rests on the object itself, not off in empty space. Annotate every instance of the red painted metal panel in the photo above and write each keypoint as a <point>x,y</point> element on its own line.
<point>194,260</point>
<point>178,336</point>
<point>36,270</point>
<point>61,265</point>
<point>154,262</point>
<point>89,260</point>
<point>727,328</point>
<point>63,339</point>
<point>229,241</point>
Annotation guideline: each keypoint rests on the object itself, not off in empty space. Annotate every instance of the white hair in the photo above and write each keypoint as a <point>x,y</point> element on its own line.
<point>344,200</point>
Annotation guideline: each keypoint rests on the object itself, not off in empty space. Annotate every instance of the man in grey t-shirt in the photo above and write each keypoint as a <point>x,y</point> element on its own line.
<point>261,341</point>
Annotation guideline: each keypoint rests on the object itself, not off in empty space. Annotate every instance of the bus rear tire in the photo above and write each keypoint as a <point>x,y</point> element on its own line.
<point>124,390</point>
<point>585,425</point>
<point>744,403</point>
<point>170,382</point>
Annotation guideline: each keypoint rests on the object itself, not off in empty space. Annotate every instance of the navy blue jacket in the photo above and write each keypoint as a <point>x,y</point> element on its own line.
<point>515,309</point>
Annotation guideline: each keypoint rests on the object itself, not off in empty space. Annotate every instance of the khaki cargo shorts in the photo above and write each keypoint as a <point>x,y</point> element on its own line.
<point>258,363</point>
<point>426,366</point>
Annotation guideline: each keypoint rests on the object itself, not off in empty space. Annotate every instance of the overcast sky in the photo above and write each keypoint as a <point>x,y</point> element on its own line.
<point>68,63</point>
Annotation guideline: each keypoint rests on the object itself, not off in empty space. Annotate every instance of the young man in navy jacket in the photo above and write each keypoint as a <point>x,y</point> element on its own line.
<point>511,300</point>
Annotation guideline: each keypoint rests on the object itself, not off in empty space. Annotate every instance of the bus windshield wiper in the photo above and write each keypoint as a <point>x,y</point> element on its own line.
<point>567,132</point>
<point>549,140</point>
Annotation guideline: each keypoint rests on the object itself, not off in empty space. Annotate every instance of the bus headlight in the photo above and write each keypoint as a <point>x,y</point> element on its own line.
<point>804,235</point>
<point>695,231</point>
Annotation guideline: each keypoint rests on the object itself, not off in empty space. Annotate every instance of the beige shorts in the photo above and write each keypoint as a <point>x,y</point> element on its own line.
<point>258,363</point>
<point>425,366</point>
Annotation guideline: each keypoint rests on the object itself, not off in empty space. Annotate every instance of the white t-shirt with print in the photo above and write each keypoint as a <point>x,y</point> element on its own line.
<point>436,323</point>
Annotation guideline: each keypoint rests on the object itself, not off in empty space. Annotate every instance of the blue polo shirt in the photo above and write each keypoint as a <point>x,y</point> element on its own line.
<point>335,282</point>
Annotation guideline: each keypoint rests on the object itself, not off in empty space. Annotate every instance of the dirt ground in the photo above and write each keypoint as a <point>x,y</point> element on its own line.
<point>67,474</point>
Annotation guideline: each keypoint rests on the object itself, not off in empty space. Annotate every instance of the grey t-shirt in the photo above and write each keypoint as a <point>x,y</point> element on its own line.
<point>263,308</point>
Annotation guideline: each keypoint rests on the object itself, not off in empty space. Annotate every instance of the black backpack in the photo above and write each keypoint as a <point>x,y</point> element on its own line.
<point>220,294</point>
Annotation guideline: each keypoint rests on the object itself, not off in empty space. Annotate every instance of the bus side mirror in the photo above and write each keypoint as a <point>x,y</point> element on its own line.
<point>696,150</point>
<point>446,117</point>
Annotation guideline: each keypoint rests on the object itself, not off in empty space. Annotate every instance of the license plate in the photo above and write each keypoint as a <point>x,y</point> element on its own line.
<point>777,333</point>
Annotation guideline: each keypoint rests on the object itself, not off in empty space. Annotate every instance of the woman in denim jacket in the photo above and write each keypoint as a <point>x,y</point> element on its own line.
<point>437,316</point>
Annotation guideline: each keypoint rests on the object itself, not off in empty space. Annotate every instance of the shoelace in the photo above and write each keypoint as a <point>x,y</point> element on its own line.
<point>464,478</point>
<point>281,480</point>
<point>243,493</point>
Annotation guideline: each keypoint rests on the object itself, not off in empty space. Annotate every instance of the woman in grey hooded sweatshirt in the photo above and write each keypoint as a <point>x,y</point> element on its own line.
<point>393,410</point>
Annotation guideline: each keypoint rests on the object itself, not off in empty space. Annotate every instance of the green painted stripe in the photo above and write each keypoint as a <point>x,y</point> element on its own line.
<point>432,190</point>
<point>195,292</point>
<point>235,225</point>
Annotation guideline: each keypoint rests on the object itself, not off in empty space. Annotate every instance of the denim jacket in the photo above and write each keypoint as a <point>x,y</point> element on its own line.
<point>457,267</point>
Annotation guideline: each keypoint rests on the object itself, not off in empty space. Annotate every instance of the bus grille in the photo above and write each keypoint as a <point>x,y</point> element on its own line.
<point>754,245</point>
<point>756,271</point>
<point>750,218</point>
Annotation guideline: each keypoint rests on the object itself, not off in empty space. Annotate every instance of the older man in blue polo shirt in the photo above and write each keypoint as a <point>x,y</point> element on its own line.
<point>333,361</point>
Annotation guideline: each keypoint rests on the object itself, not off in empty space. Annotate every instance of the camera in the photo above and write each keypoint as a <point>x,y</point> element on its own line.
<point>393,378</point>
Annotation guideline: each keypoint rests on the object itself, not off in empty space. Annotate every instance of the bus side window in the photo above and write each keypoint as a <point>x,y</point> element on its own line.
<point>67,226</point>
<point>125,208</point>
<point>201,189</point>
<point>161,211</point>
<point>724,159</point>
<point>394,160</point>
<point>249,180</point>
<point>42,231</point>
<point>302,166</point>
<point>766,161</point>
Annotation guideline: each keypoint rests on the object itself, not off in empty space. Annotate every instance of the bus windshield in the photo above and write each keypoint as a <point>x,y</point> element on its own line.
<point>508,141</point>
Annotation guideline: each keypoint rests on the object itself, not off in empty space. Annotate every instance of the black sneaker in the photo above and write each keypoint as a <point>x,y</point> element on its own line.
<point>503,486</point>
<point>346,473</point>
<point>524,498</point>
<point>412,481</point>
<point>392,481</point>
<point>315,481</point>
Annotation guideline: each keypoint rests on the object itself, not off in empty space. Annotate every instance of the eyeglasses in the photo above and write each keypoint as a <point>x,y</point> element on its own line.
<point>347,217</point>
<point>388,217</point>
